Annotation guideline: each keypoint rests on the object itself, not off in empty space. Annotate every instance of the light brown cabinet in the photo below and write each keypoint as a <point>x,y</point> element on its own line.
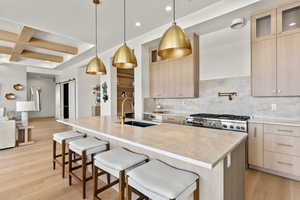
<point>275,51</point>
<point>255,145</point>
<point>275,149</point>
<point>175,78</point>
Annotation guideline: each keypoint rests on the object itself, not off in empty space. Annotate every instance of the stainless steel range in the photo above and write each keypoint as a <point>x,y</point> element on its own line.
<point>227,122</point>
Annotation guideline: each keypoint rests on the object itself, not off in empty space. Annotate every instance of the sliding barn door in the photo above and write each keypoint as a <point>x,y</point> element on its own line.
<point>72,100</point>
<point>58,102</point>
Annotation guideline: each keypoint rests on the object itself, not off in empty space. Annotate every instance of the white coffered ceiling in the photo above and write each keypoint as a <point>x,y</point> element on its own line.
<point>74,19</point>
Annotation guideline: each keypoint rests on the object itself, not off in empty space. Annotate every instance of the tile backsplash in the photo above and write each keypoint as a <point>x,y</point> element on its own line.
<point>243,104</point>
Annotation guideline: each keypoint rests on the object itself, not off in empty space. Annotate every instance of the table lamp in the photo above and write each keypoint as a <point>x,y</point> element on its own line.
<point>24,107</point>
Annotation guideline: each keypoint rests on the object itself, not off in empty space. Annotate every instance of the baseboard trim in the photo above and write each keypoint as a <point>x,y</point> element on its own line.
<point>273,172</point>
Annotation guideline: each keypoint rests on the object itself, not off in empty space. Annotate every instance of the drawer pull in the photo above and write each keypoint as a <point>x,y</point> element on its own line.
<point>285,163</point>
<point>285,131</point>
<point>285,145</point>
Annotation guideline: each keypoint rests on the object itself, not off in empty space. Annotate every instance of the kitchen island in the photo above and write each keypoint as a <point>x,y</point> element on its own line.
<point>218,156</point>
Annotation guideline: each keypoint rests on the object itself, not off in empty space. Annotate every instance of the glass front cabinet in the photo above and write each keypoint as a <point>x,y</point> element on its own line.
<point>275,51</point>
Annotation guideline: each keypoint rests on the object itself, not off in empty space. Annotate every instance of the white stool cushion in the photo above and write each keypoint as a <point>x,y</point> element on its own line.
<point>68,136</point>
<point>90,145</point>
<point>158,180</point>
<point>117,160</point>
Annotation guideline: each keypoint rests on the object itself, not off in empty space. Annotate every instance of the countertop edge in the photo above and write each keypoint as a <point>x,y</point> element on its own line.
<point>275,122</point>
<point>169,154</point>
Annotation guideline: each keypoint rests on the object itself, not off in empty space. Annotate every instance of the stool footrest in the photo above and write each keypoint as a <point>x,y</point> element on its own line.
<point>78,178</point>
<point>107,186</point>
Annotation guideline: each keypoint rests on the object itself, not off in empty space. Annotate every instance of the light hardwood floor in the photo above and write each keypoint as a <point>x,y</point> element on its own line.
<point>26,174</point>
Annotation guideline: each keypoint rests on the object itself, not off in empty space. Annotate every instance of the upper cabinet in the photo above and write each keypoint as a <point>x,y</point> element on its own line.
<point>264,53</point>
<point>288,47</point>
<point>264,25</point>
<point>288,18</point>
<point>175,78</point>
<point>275,51</point>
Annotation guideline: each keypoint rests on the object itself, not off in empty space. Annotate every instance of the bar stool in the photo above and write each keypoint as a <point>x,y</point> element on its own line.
<point>159,181</point>
<point>63,138</point>
<point>83,148</point>
<point>115,162</point>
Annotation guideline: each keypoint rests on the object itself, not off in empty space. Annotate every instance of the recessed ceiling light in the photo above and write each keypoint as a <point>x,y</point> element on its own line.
<point>168,8</point>
<point>138,24</point>
<point>292,24</point>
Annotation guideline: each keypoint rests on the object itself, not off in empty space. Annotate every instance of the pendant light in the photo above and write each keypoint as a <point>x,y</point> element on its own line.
<point>124,58</point>
<point>174,43</point>
<point>96,66</point>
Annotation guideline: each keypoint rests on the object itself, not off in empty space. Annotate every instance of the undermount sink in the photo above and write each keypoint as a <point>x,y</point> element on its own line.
<point>139,124</point>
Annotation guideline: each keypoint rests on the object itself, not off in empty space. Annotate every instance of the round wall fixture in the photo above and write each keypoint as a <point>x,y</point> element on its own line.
<point>238,23</point>
<point>10,96</point>
<point>18,87</point>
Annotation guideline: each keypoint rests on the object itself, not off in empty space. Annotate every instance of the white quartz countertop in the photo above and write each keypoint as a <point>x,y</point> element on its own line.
<point>199,146</point>
<point>283,122</point>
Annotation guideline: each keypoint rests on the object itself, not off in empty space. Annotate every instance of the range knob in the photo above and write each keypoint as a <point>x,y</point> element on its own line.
<point>238,127</point>
<point>231,126</point>
<point>224,126</point>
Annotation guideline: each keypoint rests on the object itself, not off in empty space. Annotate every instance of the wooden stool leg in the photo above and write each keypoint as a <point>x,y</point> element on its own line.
<point>95,177</point>
<point>70,167</point>
<point>197,191</point>
<point>54,154</point>
<point>108,178</point>
<point>122,185</point>
<point>128,190</point>
<point>84,159</point>
<point>63,157</point>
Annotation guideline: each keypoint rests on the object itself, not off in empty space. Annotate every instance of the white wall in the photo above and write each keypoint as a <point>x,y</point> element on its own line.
<point>86,99</point>
<point>84,85</point>
<point>10,75</point>
<point>47,86</point>
<point>225,53</point>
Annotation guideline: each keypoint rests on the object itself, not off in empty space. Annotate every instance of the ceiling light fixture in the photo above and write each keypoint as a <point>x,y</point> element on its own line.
<point>168,8</point>
<point>124,58</point>
<point>96,66</point>
<point>138,24</point>
<point>174,43</point>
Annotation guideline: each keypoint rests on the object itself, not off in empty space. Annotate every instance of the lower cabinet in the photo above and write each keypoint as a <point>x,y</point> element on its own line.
<point>255,145</point>
<point>275,149</point>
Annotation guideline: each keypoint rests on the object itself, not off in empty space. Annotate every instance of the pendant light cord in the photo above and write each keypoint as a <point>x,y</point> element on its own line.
<point>124,18</point>
<point>96,21</point>
<point>174,15</point>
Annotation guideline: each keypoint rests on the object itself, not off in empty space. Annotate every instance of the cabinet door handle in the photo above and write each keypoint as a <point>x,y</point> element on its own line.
<point>285,163</point>
<point>286,131</point>
<point>255,132</point>
<point>285,145</point>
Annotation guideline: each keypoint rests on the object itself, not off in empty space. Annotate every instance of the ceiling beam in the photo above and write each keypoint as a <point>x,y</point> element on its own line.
<point>5,50</point>
<point>25,35</point>
<point>39,43</point>
<point>33,55</point>
<point>42,56</point>
<point>54,46</point>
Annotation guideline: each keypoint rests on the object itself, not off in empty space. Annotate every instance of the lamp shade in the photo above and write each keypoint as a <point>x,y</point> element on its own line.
<point>25,106</point>
<point>96,67</point>
<point>124,58</point>
<point>174,44</point>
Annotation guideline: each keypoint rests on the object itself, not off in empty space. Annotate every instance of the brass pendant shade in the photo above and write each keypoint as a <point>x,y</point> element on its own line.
<point>174,44</point>
<point>96,67</point>
<point>124,58</point>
